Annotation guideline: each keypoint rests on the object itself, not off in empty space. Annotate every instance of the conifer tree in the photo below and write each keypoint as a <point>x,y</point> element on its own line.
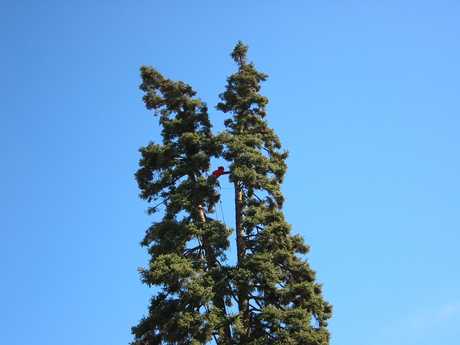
<point>270,295</point>
<point>186,246</point>
<point>279,301</point>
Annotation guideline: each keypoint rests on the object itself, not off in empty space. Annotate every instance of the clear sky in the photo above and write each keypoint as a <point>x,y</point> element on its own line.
<point>364,95</point>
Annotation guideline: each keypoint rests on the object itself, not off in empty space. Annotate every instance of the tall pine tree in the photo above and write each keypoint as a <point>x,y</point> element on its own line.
<point>270,295</point>
<point>186,246</point>
<point>279,301</point>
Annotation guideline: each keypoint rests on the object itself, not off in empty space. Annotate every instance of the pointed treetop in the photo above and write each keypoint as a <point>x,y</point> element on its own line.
<point>239,53</point>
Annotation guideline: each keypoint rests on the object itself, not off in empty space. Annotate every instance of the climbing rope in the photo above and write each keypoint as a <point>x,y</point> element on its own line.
<point>221,207</point>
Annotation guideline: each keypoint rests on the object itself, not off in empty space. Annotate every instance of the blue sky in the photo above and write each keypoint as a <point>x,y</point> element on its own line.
<point>364,95</point>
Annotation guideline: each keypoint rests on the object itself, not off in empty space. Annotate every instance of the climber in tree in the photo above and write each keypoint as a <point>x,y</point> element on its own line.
<point>219,172</point>
<point>214,177</point>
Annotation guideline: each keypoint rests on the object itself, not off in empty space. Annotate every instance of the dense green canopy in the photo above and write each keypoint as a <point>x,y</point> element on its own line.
<point>270,295</point>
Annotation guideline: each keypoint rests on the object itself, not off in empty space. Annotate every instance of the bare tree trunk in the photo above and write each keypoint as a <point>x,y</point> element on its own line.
<point>201,214</point>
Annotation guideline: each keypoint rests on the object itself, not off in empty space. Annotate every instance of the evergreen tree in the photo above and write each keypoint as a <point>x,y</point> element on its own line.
<point>270,295</point>
<point>279,301</point>
<point>186,246</point>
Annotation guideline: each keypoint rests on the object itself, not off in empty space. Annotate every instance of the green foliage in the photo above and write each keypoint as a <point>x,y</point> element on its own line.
<point>185,252</point>
<point>284,302</point>
<point>270,296</point>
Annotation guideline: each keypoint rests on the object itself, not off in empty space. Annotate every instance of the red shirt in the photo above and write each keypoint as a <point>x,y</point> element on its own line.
<point>219,172</point>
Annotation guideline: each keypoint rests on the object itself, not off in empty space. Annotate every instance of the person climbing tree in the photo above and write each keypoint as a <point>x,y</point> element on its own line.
<point>219,172</point>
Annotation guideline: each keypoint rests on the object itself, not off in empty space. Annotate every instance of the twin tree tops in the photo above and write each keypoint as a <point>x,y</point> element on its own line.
<point>270,295</point>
